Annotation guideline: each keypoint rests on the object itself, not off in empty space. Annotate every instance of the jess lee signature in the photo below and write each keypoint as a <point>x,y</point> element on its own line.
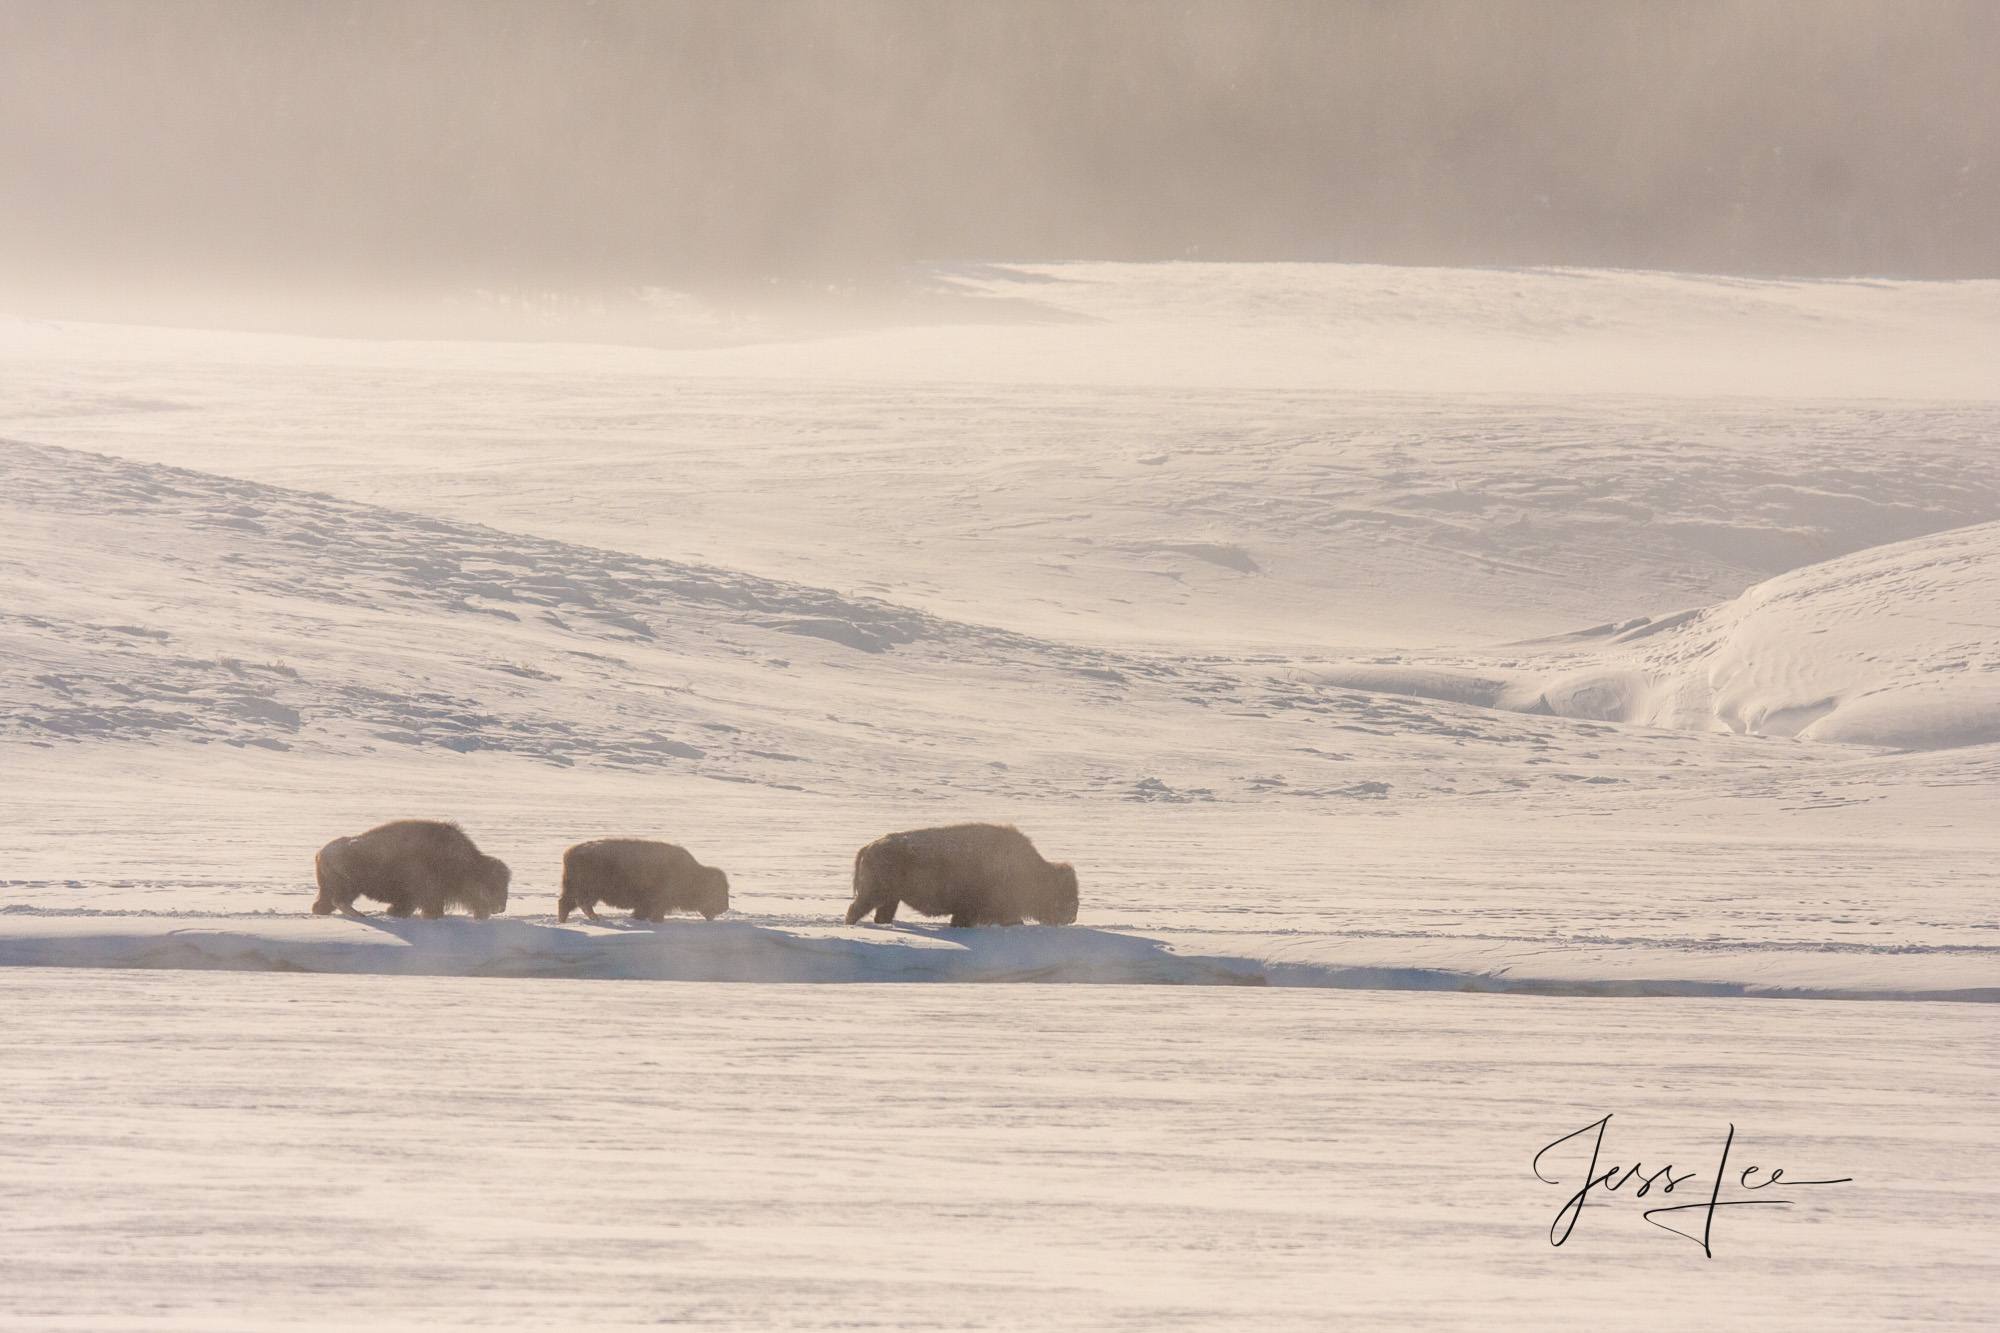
<point>1614,1178</point>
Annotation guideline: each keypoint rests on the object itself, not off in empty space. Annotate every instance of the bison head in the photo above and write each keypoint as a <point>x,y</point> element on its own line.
<point>490,885</point>
<point>329,870</point>
<point>1062,895</point>
<point>712,894</point>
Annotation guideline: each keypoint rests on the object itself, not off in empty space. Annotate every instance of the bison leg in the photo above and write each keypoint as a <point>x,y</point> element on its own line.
<point>349,909</point>
<point>884,909</point>
<point>480,913</point>
<point>321,907</point>
<point>964,919</point>
<point>431,913</point>
<point>589,909</point>
<point>399,908</point>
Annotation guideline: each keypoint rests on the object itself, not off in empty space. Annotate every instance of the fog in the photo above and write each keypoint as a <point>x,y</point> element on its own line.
<point>441,144</point>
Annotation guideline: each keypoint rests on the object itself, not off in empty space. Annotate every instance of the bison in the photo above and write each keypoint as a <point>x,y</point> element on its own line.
<point>978,874</point>
<point>650,878</point>
<point>417,865</point>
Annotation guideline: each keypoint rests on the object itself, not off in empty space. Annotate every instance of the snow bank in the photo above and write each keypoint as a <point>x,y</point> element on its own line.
<point>732,950</point>
<point>1898,647</point>
<point>764,951</point>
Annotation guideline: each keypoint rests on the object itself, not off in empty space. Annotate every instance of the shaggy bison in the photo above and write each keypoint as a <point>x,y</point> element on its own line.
<point>651,878</point>
<point>979,874</point>
<point>415,865</point>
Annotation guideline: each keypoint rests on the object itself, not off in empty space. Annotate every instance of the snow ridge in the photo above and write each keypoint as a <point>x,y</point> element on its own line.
<point>781,951</point>
<point>1897,647</point>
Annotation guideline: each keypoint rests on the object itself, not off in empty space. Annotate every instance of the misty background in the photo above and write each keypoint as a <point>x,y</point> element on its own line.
<point>435,144</point>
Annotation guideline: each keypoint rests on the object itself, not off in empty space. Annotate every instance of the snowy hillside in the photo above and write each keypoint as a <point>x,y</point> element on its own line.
<point>1245,818</point>
<point>1418,667</point>
<point>797,592</point>
<point>1897,646</point>
<point>1295,675</point>
<point>1206,457</point>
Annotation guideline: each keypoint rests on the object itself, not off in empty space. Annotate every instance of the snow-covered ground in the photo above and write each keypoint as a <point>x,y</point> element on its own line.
<point>1591,634</point>
<point>200,1151</point>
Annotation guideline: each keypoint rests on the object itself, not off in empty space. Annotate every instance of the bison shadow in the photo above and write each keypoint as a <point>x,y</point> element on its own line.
<point>753,950</point>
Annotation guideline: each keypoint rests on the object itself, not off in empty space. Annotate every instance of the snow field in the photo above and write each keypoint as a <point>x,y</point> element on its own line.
<point>1352,630</point>
<point>335,665</point>
<point>1206,457</point>
<point>1874,877</point>
<point>262,1151</point>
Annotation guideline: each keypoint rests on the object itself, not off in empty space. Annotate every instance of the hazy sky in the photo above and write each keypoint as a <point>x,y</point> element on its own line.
<point>505,141</point>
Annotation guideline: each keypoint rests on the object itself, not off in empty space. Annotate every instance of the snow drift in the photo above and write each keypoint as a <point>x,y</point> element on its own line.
<point>1896,647</point>
<point>785,951</point>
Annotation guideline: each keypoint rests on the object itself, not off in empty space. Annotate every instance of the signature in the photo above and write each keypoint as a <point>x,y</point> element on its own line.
<point>1613,1179</point>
